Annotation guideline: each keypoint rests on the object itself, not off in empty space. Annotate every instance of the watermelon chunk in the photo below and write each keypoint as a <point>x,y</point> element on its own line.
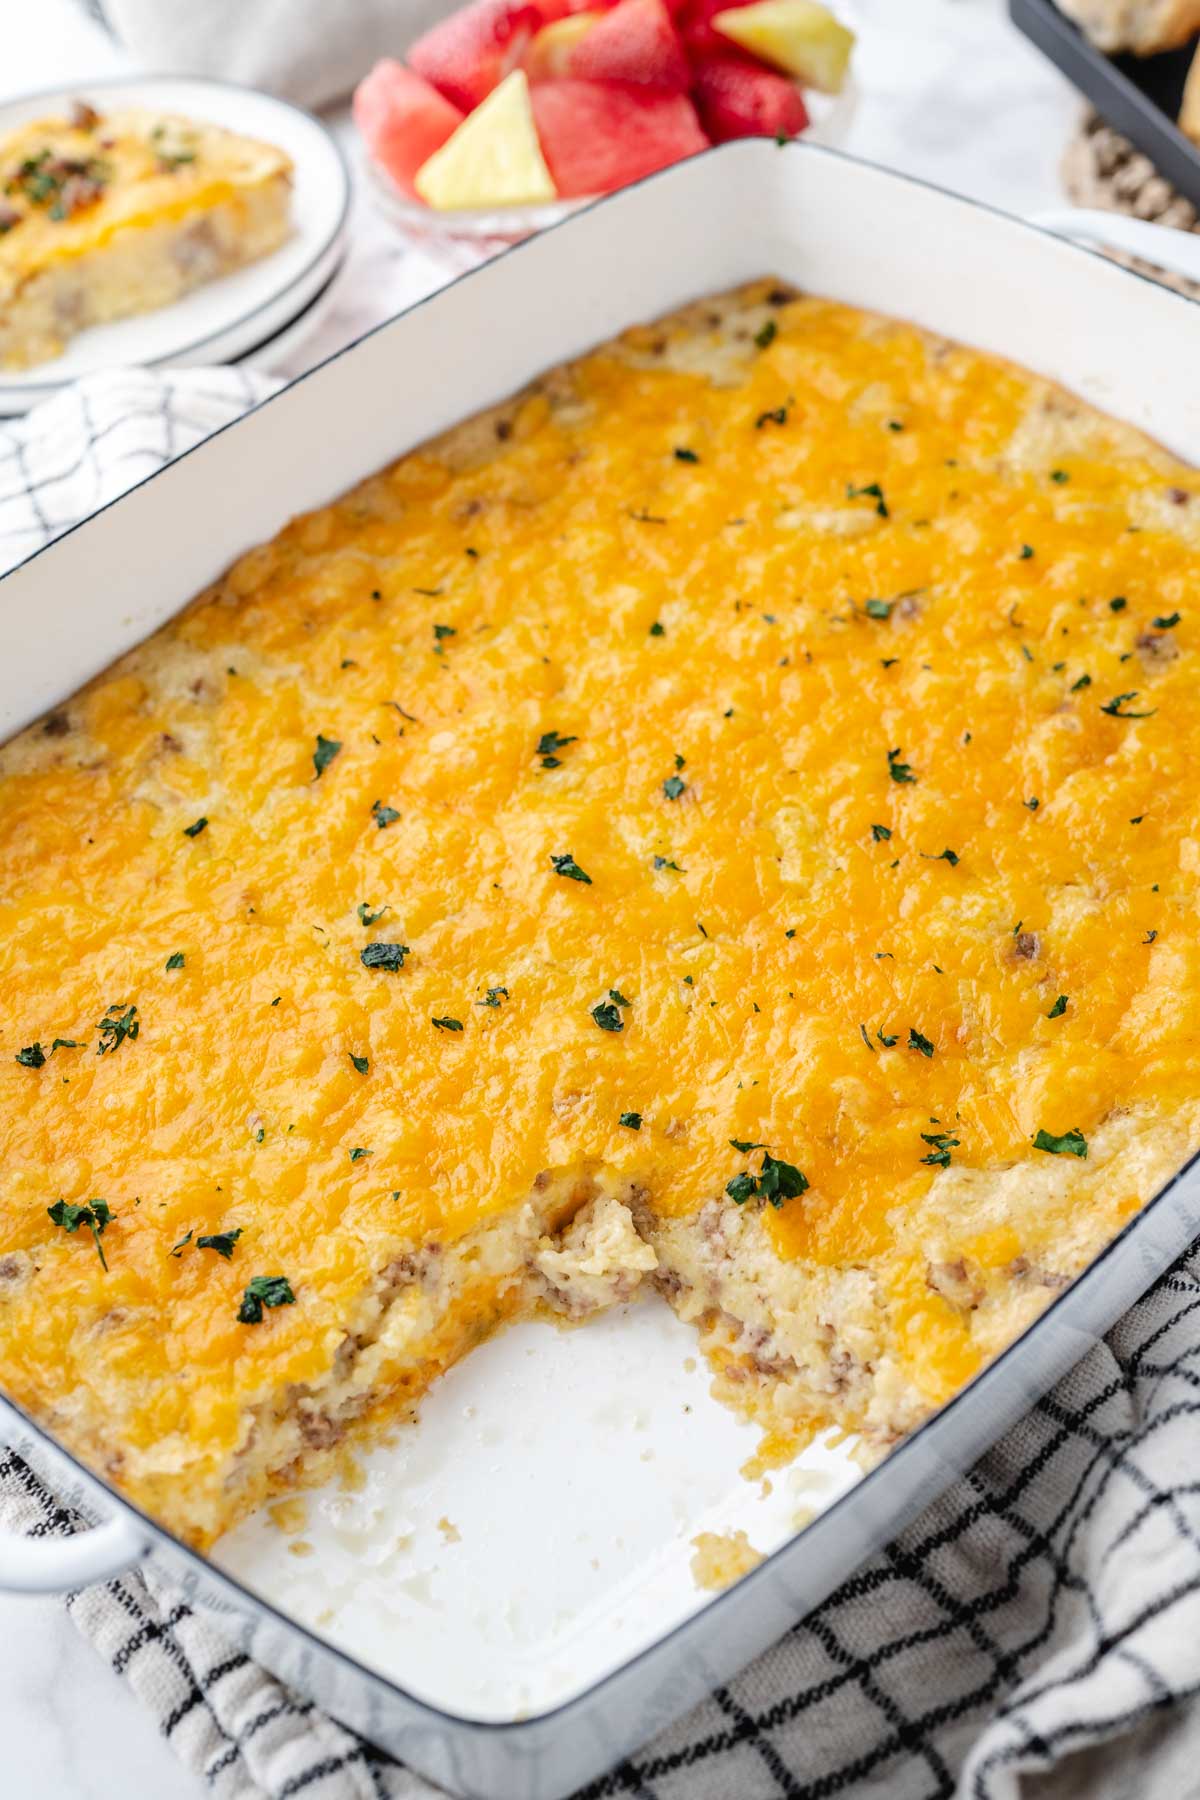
<point>599,135</point>
<point>635,42</point>
<point>738,99</point>
<point>402,119</point>
<point>469,53</point>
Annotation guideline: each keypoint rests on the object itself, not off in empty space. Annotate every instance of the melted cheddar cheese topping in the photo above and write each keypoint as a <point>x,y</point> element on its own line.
<point>800,635</point>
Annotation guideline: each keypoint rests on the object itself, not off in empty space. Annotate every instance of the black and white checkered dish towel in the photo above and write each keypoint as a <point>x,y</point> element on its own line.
<point>1035,1635</point>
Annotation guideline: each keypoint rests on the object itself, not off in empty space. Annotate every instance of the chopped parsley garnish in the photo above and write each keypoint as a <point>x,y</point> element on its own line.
<point>878,609</point>
<point>899,771</point>
<point>34,1057</point>
<point>631,1121</point>
<point>743,1146</point>
<point>383,815</point>
<point>264,1290</point>
<point>220,1241</point>
<point>195,828</point>
<point>549,744</point>
<point>1059,1008</point>
<point>383,956</point>
<point>1059,475</point>
<point>766,334</point>
<point>618,998</point>
<point>493,996</point>
<point>1113,707</point>
<point>446,1024</point>
<point>664,862</point>
<point>357,1154</point>
<point>116,1026</point>
<point>1071,1143</point>
<point>361,1063</point>
<point>674,786</point>
<point>1084,681</point>
<point>1032,803</point>
<point>776,1181</point>
<point>780,1181</point>
<point>866,1039</point>
<point>323,755</point>
<point>870,490</point>
<point>1026,552</point>
<point>943,1143</point>
<point>658,629</point>
<point>1119,604</point>
<point>1168,623</point>
<point>1149,937</point>
<point>917,1042</point>
<point>95,1215</point>
<point>566,865</point>
<point>775,415</point>
<point>881,833</point>
<point>682,454</point>
<point>441,633</point>
<point>179,1248</point>
<point>887,1042</point>
<point>366,916</point>
<point>175,960</point>
<point>942,856</point>
<point>608,1016</point>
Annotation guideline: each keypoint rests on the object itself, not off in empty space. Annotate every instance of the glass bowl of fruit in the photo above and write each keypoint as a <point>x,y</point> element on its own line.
<point>509,114</point>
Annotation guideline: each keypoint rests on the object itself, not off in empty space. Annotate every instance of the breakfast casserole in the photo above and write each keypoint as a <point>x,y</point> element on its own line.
<point>723,822</point>
<point>105,215</point>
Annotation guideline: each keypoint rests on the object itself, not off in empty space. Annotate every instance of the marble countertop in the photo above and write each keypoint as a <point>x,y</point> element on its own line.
<point>949,92</point>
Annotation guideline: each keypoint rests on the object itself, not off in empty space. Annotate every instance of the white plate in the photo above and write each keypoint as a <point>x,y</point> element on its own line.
<point>225,318</point>
<point>281,347</point>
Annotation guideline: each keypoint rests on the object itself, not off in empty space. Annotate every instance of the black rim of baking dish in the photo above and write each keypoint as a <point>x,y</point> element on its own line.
<point>180,357</point>
<point>244,1598</point>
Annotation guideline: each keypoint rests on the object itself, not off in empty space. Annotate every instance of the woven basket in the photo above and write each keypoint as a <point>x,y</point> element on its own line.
<point>1101,168</point>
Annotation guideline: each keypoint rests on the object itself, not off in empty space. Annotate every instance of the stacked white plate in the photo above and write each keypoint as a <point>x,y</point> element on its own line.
<point>256,316</point>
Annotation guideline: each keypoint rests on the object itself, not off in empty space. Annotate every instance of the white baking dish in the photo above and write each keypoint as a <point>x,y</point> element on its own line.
<point>561,1627</point>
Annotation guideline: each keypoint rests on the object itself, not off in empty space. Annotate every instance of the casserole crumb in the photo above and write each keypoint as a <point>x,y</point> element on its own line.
<point>721,1558</point>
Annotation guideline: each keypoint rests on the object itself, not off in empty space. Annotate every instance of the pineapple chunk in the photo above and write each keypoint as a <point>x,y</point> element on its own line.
<point>550,51</point>
<point>493,158</point>
<point>798,36</point>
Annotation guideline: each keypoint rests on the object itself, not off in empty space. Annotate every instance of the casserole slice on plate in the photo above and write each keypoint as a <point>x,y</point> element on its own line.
<point>103,216</point>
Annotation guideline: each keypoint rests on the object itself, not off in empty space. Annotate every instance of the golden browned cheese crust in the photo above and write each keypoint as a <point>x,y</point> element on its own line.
<point>103,216</point>
<point>757,765</point>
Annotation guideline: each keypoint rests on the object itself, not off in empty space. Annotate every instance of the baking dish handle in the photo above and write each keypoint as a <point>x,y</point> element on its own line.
<point>1164,245</point>
<point>55,1565</point>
